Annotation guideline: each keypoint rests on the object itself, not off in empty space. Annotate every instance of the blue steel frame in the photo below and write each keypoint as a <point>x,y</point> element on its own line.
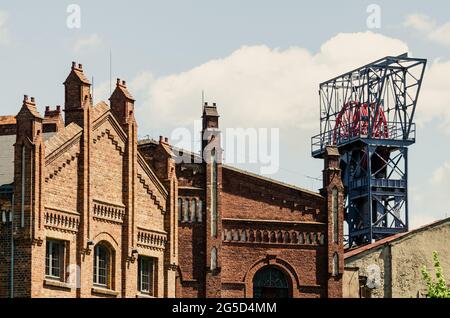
<point>374,167</point>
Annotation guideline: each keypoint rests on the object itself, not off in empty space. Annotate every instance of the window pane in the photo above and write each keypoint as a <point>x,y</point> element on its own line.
<point>199,210</point>
<point>180,209</point>
<point>54,254</point>
<point>186,210</point>
<point>146,275</point>
<point>101,265</point>
<point>193,206</point>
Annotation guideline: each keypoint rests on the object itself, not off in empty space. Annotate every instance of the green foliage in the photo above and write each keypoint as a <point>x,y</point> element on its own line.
<point>437,288</point>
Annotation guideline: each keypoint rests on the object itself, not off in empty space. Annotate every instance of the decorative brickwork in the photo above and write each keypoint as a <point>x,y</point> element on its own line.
<point>90,202</point>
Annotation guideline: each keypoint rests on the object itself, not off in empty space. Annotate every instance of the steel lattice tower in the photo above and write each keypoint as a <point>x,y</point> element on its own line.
<point>368,114</point>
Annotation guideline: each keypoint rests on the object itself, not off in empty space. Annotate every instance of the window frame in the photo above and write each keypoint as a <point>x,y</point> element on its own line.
<point>151,274</point>
<point>59,246</point>
<point>107,268</point>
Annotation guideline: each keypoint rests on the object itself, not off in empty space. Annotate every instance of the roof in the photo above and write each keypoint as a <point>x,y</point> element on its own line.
<point>332,151</point>
<point>31,108</point>
<point>79,74</point>
<point>254,175</point>
<point>7,120</point>
<point>62,137</point>
<point>280,183</point>
<point>99,109</point>
<point>123,89</point>
<point>210,111</point>
<point>393,238</point>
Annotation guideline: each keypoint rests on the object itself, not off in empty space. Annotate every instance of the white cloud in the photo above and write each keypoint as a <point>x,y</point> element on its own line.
<point>258,86</point>
<point>4,33</point>
<point>441,177</point>
<point>87,42</point>
<point>441,34</point>
<point>434,99</point>
<point>419,22</point>
<point>436,33</point>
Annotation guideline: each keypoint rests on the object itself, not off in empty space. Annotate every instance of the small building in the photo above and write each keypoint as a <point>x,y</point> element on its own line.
<point>391,267</point>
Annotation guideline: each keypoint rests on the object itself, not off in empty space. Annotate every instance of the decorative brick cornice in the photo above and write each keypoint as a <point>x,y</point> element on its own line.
<point>107,133</point>
<point>151,239</point>
<point>61,166</point>
<point>61,220</point>
<point>146,186</point>
<point>108,212</point>
<point>274,235</point>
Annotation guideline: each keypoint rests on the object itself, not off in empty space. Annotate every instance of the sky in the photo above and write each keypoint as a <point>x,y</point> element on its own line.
<point>260,61</point>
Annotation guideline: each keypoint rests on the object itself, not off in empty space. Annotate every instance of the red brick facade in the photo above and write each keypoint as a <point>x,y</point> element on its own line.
<point>262,223</point>
<point>86,186</point>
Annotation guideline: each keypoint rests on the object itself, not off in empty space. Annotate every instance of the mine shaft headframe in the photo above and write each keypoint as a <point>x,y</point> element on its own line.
<point>389,86</point>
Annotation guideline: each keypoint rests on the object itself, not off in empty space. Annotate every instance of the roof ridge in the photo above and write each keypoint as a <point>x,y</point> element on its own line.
<point>393,238</point>
<point>281,183</point>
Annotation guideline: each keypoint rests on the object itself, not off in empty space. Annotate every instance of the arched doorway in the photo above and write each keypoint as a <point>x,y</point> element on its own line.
<point>270,282</point>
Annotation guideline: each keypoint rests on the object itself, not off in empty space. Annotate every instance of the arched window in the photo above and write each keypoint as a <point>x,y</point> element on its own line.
<point>270,282</point>
<point>192,209</point>
<point>102,265</point>
<point>186,210</point>
<point>213,259</point>
<point>199,210</point>
<point>335,268</point>
<point>180,209</point>
<point>334,217</point>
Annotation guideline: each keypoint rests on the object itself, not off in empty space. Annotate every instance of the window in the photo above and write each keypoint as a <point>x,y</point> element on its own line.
<point>102,265</point>
<point>334,217</point>
<point>199,210</point>
<point>335,270</point>
<point>270,282</point>
<point>186,210</point>
<point>213,265</point>
<point>192,209</point>
<point>180,209</point>
<point>146,270</point>
<point>54,259</point>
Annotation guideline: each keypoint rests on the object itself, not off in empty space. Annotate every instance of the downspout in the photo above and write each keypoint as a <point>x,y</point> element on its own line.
<point>11,277</point>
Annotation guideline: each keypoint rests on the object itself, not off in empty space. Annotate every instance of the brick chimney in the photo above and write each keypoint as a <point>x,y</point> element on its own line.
<point>212,161</point>
<point>122,103</point>
<point>333,191</point>
<point>53,121</point>
<point>28,183</point>
<point>77,95</point>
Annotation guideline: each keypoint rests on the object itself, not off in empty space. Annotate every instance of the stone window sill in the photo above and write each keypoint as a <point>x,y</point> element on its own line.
<point>56,283</point>
<point>104,291</point>
<point>141,295</point>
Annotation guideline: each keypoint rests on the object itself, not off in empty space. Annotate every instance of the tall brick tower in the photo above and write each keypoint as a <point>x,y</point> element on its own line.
<point>212,160</point>
<point>77,95</point>
<point>28,184</point>
<point>333,191</point>
<point>122,106</point>
<point>78,108</point>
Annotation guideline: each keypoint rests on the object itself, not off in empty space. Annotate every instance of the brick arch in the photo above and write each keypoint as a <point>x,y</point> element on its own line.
<point>106,237</point>
<point>278,263</point>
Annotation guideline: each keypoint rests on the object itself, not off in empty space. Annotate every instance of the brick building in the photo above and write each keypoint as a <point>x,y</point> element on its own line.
<point>90,211</point>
